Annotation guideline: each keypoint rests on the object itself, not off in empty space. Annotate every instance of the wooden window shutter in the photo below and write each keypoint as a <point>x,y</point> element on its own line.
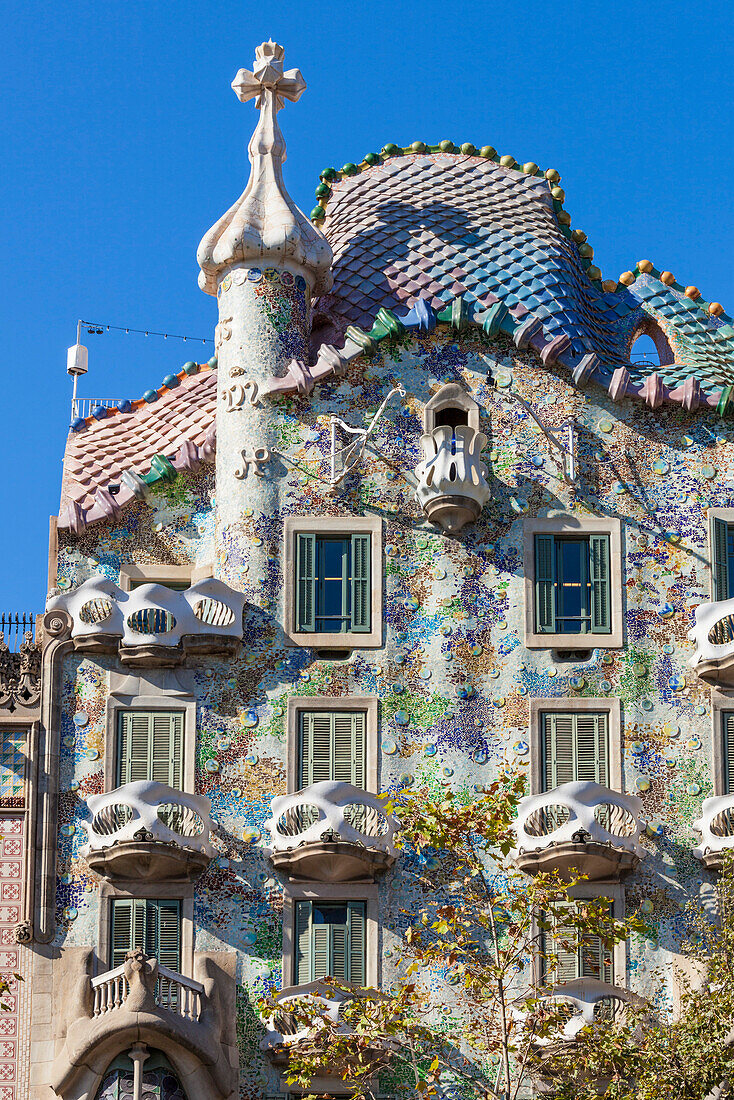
<point>303,942</point>
<point>592,749</point>
<point>545,584</point>
<point>361,584</point>
<point>129,927</point>
<point>728,754</point>
<point>356,936</point>
<point>166,918</point>
<point>576,956</point>
<point>601,591</point>
<point>306,582</point>
<point>558,749</point>
<point>149,746</point>
<point>315,748</point>
<point>349,747</point>
<point>721,560</point>
<point>166,731</point>
<point>332,745</point>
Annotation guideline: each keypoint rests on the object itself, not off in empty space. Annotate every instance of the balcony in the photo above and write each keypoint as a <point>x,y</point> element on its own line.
<point>713,637</point>
<point>579,826</point>
<point>331,832</point>
<point>589,1002</point>
<point>716,826</point>
<point>452,479</point>
<point>149,832</point>
<point>190,1019</point>
<point>153,625</point>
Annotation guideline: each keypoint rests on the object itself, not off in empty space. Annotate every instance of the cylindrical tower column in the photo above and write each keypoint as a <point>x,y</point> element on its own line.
<point>263,260</point>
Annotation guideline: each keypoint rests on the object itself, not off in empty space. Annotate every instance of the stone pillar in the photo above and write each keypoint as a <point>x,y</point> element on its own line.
<point>263,259</point>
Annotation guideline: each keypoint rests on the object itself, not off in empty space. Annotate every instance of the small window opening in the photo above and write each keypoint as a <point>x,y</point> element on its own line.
<point>644,351</point>
<point>333,654</point>
<point>451,417</point>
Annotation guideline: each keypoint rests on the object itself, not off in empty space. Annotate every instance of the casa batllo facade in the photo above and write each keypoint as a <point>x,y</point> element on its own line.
<point>423,515</point>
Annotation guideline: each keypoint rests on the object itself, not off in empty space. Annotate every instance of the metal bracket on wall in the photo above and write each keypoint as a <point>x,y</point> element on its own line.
<point>346,459</point>
<point>564,452</point>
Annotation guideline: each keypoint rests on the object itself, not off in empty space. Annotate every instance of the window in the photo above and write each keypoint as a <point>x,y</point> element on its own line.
<point>575,955</point>
<point>333,581</point>
<point>574,746</point>
<point>153,925</point>
<point>330,941</point>
<point>176,577</point>
<point>332,745</point>
<point>727,756</point>
<point>149,745</point>
<point>572,584</point>
<point>723,559</point>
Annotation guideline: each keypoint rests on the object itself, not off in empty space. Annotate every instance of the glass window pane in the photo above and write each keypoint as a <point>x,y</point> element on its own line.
<point>330,914</point>
<point>572,591</point>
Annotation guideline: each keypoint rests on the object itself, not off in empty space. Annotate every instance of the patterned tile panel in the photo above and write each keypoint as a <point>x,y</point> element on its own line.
<point>14,1022</point>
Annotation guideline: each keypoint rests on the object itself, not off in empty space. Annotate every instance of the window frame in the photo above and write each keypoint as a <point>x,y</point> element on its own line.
<point>331,892</point>
<point>569,526</point>
<point>609,706</point>
<point>333,526</point>
<point>297,704</point>
<point>150,690</point>
<point>725,515</point>
<point>721,703</point>
<point>163,891</point>
<point>616,894</point>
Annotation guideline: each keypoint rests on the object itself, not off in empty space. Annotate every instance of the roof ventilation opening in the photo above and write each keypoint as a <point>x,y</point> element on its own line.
<point>650,348</point>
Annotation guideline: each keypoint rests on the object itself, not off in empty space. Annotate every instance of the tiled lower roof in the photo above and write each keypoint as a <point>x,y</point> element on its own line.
<point>168,431</point>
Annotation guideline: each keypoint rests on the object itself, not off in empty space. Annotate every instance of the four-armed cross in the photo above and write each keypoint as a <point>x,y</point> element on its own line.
<point>268,76</point>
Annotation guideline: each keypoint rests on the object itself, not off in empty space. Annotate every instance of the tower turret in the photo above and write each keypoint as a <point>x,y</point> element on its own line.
<point>264,260</point>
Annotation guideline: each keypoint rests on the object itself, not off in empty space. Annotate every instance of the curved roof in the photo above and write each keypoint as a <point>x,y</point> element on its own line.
<point>434,224</point>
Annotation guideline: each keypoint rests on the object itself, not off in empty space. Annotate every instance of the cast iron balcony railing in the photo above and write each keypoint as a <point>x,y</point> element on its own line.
<point>331,832</point>
<point>153,625</point>
<point>148,831</point>
<point>20,662</point>
<point>589,1002</point>
<point>716,826</point>
<point>581,826</point>
<point>713,637</point>
<point>452,479</point>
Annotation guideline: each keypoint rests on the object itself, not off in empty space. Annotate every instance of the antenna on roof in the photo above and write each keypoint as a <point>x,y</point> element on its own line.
<point>77,362</point>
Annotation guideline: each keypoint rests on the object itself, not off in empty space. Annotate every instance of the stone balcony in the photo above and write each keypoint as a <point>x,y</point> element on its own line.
<point>452,479</point>
<point>716,826</point>
<point>331,832</point>
<point>150,832</point>
<point>152,625</point>
<point>581,826</point>
<point>589,1002</point>
<point>713,637</point>
<point>190,1019</point>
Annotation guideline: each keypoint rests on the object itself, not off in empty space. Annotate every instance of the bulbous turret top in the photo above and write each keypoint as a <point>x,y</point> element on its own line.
<point>265,227</point>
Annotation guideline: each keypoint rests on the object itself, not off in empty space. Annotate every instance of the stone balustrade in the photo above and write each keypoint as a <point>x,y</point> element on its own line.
<point>152,625</point>
<point>582,826</point>
<point>713,637</point>
<point>149,831</point>
<point>716,826</point>
<point>331,832</point>
<point>452,479</point>
<point>172,991</point>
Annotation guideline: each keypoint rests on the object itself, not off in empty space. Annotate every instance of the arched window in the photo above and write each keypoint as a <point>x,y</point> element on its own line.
<point>649,347</point>
<point>159,1079</point>
<point>644,351</point>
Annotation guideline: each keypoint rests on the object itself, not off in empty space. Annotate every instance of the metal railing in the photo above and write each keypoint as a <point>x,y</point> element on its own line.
<point>84,406</point>
<point>173,992</point>
<point>14,627</point>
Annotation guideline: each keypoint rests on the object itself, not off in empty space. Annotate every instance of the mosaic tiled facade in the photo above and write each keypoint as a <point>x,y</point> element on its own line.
<point>186,497</point>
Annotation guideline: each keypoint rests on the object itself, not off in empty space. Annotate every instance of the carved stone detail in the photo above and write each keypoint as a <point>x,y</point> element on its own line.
<point>20,673</point>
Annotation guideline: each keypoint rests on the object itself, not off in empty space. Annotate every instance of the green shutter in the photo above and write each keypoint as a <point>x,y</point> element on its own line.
<point>545,584</point>
<point>154,925</point>
<point>576,956</point>
<point>303,942</point>
<point>721,560</point>
<point>306,583</point>
<point>361,584</point>
<point>332,745</point>
<point>167,916</point>
<point>356,943</point>
<point>122,934</point>
<point>601,592</point>
<point>574,746</point>
<point>728,754</point>
<point>149,747</point>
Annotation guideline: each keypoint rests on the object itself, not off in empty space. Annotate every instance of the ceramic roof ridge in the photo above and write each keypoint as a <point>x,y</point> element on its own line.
<point>692,293</point>
<point>124,407</point>
<point>525,330</point>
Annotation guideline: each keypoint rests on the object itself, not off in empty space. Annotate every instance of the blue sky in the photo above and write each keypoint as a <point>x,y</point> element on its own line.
<point>123,142</point>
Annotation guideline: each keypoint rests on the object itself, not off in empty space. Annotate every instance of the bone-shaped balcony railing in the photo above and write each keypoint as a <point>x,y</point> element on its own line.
<point>341,811</point>
<point>452,479</point>
<point>284,1029</point>
<point>716,826</point>
<point>151,614</point>
<point>148,811</point>
<point>713,637</point>
<point>590,1002</point>
<point>579,814</point>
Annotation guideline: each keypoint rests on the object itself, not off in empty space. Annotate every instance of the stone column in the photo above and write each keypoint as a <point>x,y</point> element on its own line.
<point>263,259</point>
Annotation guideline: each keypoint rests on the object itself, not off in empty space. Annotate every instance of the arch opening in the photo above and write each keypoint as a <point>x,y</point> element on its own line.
<point>159,1080</point>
